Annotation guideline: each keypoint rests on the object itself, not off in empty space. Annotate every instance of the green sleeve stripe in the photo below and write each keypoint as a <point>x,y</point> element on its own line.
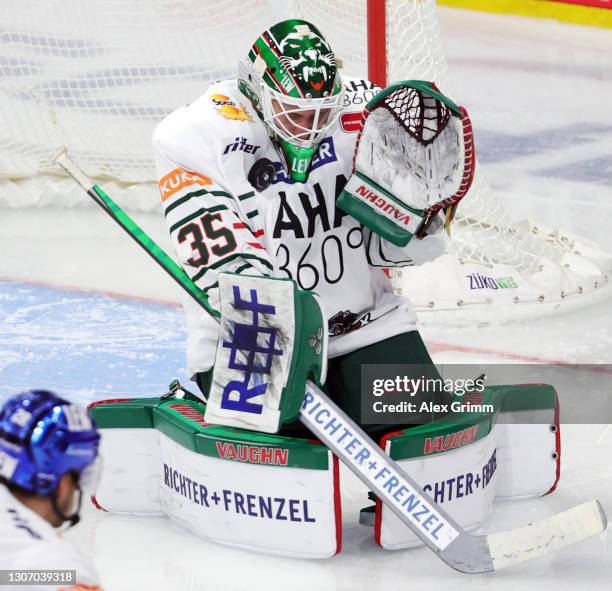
<point>213,286</point>
<point>188,196</point>
<point>252,214</point>
<point>205,270</point>
<point>243,268</point>
<point>246,196</point>
<point>237,271</point>
<point>227,260</point>
<point>196,214</point>
<point>182,200</point>
<point>255,257</point>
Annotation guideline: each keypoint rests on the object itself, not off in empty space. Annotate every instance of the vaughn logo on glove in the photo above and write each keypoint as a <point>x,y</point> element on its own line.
<point>414,157</point>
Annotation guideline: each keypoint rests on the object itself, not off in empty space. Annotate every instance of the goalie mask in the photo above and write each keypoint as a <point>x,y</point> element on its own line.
<point>291,79</point>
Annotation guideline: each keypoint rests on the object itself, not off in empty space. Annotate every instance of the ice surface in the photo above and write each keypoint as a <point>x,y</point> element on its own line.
<point>539,94</point>
<point>87,346</point>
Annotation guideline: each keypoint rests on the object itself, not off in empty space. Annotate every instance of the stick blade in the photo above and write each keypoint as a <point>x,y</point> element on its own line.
<point>549,535</point>
<point>59,154</point>
<point>62,159</point>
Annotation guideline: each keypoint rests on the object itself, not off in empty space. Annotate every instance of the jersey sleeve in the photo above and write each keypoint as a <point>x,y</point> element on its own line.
<point>382,253</point>
<point>208,227</point>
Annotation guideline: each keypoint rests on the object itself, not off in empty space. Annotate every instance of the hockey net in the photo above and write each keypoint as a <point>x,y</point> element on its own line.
<point>96,76</point>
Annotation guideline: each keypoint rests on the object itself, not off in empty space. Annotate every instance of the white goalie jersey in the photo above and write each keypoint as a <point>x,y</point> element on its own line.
<point>219,222</point>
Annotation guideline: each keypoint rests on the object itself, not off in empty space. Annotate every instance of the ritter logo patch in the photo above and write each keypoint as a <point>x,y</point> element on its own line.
<point>240,144</point>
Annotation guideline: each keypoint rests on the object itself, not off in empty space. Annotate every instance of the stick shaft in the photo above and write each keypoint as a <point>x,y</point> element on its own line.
<point>136,233</point>
<point>400,493</point>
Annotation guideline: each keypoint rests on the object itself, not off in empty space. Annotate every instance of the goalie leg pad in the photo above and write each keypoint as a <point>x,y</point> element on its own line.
<point>469,459</point>
<point>265,493</point>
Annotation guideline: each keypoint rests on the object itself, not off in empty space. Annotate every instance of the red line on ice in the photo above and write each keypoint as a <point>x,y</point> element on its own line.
<point>92,291</point>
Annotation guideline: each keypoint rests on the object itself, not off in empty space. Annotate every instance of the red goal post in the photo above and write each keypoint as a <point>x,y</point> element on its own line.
<point>377,39</point>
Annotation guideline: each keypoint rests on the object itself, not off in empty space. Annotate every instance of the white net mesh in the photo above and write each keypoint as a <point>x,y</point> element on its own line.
<point>483,231</point>
<point>97,75</point>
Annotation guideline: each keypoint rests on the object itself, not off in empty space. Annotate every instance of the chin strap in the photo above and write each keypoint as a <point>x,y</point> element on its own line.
<point>73,519</point>
<point>294,159</point>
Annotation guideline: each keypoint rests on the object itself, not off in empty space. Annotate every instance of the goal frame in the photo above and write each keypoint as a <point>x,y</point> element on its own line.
<point>575,258</point>
<point>91,76</point>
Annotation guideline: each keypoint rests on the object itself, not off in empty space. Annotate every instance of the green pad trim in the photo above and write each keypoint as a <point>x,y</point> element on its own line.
<point>365,211</point>
<point>307,358</point>
<point>527,397</point>
<point>372,220</point>
<point>183,422</point>
<point>132,413</point>
<point>471,426</point>
<point>386,193</point>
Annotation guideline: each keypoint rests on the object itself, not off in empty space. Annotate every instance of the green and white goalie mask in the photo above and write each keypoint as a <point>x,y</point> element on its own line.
<point>290,77</point>
<point>414,157</point>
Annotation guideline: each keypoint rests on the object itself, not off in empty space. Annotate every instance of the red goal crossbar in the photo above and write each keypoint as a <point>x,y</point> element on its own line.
<point>590,3</point>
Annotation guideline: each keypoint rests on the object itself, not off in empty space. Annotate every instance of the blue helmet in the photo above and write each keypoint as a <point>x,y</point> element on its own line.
<point>43,437</point>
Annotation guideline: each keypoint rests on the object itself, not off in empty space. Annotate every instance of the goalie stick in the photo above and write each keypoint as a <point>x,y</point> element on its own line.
<point>459,549</point>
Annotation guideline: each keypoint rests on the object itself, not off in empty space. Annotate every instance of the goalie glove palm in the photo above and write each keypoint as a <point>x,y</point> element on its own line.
<point>414,156</point>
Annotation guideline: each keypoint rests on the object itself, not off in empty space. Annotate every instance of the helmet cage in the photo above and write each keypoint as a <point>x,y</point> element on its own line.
<point>286,116</point>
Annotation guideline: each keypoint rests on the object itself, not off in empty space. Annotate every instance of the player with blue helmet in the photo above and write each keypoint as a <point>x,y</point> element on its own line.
<point>48,457</point>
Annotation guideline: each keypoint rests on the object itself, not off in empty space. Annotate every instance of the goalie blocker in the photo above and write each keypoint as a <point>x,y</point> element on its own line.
<point>271,340</point>
<point>414,157</point>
